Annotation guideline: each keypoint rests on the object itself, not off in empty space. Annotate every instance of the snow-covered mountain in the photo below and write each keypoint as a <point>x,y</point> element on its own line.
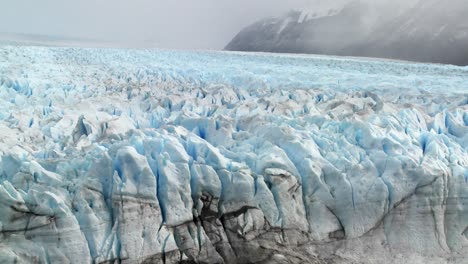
<point>304,32</point>
<point>427,31</point>
<point>137,156</point>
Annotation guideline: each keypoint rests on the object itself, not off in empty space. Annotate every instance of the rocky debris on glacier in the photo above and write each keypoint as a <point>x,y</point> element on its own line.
<point>133,156</point>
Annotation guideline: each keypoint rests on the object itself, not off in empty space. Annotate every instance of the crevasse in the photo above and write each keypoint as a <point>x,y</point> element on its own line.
<point>151,156</point>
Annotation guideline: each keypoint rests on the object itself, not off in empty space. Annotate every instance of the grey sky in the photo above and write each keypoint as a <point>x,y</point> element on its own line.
<point>187,24</point>
<point>205,24</point>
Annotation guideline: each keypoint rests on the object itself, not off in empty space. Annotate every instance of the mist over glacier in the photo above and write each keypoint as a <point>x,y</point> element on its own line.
<point>421,30</point>
<point>151,156</point>
<point>204,24</point>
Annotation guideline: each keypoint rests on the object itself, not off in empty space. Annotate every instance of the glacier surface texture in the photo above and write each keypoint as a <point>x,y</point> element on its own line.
<point>138,156</point>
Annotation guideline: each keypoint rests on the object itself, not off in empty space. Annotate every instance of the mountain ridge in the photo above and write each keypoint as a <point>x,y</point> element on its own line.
<point>427,32</point>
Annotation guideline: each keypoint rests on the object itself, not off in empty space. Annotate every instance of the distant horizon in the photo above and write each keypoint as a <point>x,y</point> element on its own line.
<point>408,30</point>
<point>205,24</point>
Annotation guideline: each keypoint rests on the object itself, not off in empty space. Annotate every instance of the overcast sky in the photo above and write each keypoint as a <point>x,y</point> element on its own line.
<point>186,24</point>
<point>189,24</point>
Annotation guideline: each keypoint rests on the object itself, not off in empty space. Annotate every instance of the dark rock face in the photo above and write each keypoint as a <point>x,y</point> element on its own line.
<point>431,31</point>
<point>317,35</point>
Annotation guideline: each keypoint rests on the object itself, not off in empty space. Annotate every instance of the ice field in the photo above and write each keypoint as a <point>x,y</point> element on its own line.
<point>159,156</point>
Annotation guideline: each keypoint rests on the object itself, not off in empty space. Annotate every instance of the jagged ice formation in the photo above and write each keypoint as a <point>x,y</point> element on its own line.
<point>139,156</point>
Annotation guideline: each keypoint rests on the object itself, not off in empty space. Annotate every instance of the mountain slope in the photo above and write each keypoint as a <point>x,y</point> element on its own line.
<point>430,31</point>
<point>292,34</point>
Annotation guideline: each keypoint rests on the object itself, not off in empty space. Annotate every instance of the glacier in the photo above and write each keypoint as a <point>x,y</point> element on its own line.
<point>160,156</point>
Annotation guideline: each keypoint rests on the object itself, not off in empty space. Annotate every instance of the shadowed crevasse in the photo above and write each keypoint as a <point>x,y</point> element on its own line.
<point>181,157</point>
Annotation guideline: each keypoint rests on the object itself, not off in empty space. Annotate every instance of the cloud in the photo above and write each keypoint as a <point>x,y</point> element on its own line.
<point>205,24</point>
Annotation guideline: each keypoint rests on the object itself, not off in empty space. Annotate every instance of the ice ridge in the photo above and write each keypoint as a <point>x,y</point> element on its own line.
<point>152,156</point>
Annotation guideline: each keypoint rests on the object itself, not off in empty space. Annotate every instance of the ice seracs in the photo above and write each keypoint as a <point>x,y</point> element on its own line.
<point>140,156</point>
